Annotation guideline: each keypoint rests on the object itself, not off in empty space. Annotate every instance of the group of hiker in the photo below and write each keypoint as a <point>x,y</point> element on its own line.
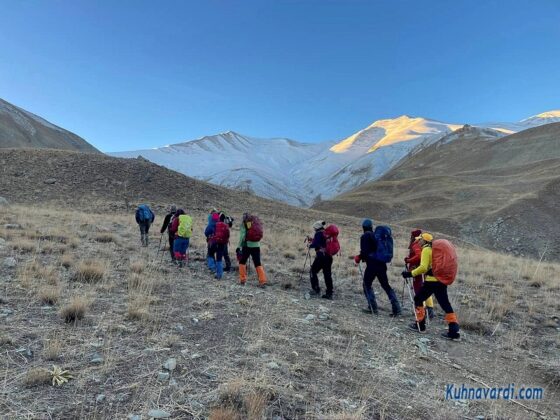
<point>431,265</point>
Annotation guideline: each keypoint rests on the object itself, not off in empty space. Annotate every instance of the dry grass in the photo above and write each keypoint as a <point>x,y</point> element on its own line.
<point>49,295</point>
<point>91,271</point>
<point>137,266</point>
<point>52,349</point>
<point>23,245</point>
<point>67,261</point>
<point>105,238</point>
<point>75,310</point>
<point>225,413</point>
<point>37,376</point>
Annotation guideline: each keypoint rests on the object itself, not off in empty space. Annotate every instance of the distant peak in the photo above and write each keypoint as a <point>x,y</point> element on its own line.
<point>544,115</point>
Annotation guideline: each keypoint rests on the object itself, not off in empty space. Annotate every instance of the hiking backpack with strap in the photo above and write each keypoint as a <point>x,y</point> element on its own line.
<point>332,246</point>
<point>145,214</point>
<point>444,261</point>
<point>221,233</point>
<point>384,241</point>
<point>185,226</point>
<point>255,231</point>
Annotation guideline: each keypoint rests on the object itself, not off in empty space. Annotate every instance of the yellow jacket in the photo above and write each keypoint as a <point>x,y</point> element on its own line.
<point>425,264</point>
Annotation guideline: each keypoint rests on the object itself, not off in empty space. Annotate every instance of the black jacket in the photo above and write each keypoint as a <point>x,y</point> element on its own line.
<point>368,245</point>
<point>166,222</point>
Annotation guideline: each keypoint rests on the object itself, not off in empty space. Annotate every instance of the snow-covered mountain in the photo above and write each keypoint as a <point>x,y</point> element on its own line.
<point>302,173</point>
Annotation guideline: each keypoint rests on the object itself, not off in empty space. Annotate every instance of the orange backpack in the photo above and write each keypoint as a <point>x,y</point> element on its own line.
<point>444,261</point>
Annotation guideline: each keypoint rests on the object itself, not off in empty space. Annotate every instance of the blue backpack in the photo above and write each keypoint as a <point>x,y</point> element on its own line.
<point>384,241</point>
<point>144,213</point>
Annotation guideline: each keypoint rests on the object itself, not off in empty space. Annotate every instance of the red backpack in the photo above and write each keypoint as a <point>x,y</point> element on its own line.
<point>331,235</point>
<point>221,233</point>
<point>255,232</point>
<point>444,261</point>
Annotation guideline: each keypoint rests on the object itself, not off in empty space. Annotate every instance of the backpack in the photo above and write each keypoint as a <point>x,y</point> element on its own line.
<point>444,261</point>
<point>185,226</point>
<point>144,213</point>
<point>221,233</point>
<point>255,232</point>
<point>331,236</point>
<point>384,241</point>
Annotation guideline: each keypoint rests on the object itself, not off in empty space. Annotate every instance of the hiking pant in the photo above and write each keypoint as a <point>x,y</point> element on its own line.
<point>323,262</point>
<point>211,256</point>
<point>220,251</point>
<point>440,291</point>
<point>171,245</point>
<point>378,269</point>
<point>254,253</point>
<point>417,286</point>
<point>227,260</point>
<point>144,229</point>
<point>180,247</point>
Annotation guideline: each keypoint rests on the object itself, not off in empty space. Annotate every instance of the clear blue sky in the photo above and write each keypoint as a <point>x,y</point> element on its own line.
<point>134,74</point>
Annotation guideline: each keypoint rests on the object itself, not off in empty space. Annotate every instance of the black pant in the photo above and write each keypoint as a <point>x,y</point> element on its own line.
<point>375,269</point>
<point>322,262</point>
<point>227,260</point>
<point>254,253</point>
<point>171,240</point>
<point>144,227</point>
<point>439,290</point>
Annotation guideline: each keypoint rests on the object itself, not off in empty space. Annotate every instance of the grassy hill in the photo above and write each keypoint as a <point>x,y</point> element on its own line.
<point>498,193</point>
<point>70,249</point>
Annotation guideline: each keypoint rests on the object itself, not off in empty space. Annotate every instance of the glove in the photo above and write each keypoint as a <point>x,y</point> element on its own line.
<point>406,274</point>
<point>406,259</point>
<point>357,259</point>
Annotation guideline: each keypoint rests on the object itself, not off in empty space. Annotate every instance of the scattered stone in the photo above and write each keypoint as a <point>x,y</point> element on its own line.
<point>134,417</point>
<point>293,300</point>
<point>422,345</point>
<point>196,356</point>
<point>179,327</point>
<point>194,321</point>
<point>97,359</point>
<point>2,242</point>
<point>170,364</point>
<point>273,365</point>
<point>4,202</point>
<point>307,296</point>
<point>27,352</point>
<point>173,382</point>
<point>163,376</point>
<point>324,316</point>
<point>10,262</point>
<point>411,383</point>
<point>309,317</point>
<point>158,414</point>
<point>12,226</point>
<point>50,181</point>
<point>100,398</point>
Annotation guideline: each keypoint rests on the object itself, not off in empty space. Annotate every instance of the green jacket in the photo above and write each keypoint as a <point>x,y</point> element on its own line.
<point>242,233</point>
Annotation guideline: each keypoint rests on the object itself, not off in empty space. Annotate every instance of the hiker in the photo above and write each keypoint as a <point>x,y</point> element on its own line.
<point>412,261</point>
<point>323,261</point>
<point>144,217</point>
<point>431,286</point>
<point>228,220</point>
<point>250,234</point>
<point>213,218</point>
<point>182,230</point>
<point>220,240</point>
<point>376,249</point>
<point>167,222</point>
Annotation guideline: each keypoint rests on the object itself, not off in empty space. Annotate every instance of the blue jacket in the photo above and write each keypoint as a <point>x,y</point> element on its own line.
<point>319,241</point>
<point>368,246</point>
<point>210,229</point>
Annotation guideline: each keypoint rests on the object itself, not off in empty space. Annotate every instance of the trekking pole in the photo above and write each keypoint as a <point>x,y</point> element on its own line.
<point>304,264</point>
<point>159,245</point>
<point>409,287</point>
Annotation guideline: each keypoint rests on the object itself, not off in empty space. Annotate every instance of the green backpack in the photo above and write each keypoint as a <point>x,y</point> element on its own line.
<point>185,226</point>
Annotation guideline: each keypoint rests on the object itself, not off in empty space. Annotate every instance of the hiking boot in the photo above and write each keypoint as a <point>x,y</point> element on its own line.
<point>328,296</point>
<point>315,292</point>
<point>370,311</point>
<point>395,314</point>
<point>261,285</point>
<point>395,304</point>
<point>451,336</point>
<point>431,313</point>
<point>419,327</point>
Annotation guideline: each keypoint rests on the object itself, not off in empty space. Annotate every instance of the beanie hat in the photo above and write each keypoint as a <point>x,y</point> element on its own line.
<point>416,233</point>
<point>173,208</point>
<point>319,224</point>
<point>367,224</point>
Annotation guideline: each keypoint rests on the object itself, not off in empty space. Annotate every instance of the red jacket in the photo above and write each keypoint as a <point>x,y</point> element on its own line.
<point>174,227</point>
<point>414,254</point>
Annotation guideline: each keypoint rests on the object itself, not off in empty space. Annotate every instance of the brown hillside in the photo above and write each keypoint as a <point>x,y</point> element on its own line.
<point>22,129</point>
<point>502,194</point>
